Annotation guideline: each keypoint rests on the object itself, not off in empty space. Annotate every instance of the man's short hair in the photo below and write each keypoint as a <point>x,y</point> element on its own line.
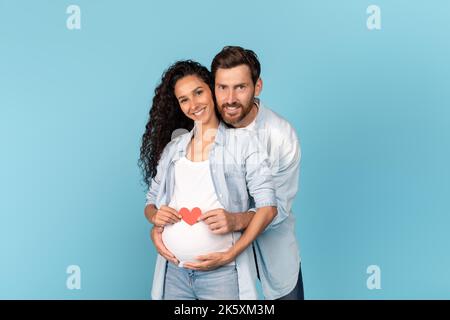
<point>233,56</point>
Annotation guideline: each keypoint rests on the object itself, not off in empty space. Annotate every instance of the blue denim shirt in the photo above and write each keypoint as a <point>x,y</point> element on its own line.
<point>277,250</point>
<point>241,174</point>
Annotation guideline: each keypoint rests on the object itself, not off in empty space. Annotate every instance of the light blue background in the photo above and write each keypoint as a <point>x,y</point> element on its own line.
<point>371,109</point>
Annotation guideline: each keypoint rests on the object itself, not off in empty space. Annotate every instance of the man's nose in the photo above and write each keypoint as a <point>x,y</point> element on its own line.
<point>230,97</point>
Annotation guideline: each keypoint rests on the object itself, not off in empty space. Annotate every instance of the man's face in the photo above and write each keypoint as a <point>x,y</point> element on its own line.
<point>235,93</point>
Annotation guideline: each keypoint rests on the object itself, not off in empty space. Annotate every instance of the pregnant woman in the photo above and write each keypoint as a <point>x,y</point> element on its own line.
<point>209,167</point>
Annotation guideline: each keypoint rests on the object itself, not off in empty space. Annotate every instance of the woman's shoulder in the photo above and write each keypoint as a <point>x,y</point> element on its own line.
<point>174,144</point>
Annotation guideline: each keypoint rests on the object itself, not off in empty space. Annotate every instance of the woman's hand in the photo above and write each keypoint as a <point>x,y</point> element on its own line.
<point>156,235</point>
<point>211,261</point>
<point>164,216</point>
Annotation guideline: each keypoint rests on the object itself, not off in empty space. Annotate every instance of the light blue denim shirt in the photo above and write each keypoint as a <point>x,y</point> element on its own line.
<point>241,173</point>
<point>276,249</point>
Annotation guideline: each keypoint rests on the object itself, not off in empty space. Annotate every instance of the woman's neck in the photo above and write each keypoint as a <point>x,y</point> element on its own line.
<point>206,131</point>
<point>204,136</point>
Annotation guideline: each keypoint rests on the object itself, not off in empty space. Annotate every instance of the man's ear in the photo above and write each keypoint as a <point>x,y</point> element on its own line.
<point>258,87</point>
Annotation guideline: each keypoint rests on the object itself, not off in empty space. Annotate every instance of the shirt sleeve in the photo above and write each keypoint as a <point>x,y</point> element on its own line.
<point>156,180</point>
<point>259,178</point>
<point>286,174</point>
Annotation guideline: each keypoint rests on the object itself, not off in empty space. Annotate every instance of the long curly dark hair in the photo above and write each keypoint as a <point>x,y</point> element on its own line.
<point>165,115</point>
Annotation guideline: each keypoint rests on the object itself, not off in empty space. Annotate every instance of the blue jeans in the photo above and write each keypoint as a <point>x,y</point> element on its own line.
<point>185,284</point>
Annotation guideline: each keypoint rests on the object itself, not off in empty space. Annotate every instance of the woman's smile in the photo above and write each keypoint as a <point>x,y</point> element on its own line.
<point>199,112</point>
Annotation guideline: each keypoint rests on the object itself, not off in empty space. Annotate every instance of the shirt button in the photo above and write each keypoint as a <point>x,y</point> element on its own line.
<point>220,195</point>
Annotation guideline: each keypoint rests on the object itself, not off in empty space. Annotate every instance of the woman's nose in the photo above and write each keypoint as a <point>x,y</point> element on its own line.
<point>196,102</point>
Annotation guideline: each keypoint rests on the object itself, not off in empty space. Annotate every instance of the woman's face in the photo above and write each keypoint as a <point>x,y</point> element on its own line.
<point>195,99</point>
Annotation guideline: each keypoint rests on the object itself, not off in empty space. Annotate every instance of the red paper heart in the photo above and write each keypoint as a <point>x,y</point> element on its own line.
<point>190,216</point>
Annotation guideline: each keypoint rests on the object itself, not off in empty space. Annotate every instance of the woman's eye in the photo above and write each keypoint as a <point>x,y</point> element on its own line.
<point>199,92</point>
<point>183,100</point>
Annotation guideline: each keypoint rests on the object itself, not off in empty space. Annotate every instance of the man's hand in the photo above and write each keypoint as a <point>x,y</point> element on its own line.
<point>210,261</point>
<point>219,221</point>
<point>156,235</point>
<point>164,216</point>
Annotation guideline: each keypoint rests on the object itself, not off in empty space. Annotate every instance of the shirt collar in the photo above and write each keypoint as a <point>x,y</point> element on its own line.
<point>261,112</point>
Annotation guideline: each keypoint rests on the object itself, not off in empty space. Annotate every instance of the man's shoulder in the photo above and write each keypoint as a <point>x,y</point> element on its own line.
<point>241,138</point>
<point>276,124</point>
<point>272,117</point>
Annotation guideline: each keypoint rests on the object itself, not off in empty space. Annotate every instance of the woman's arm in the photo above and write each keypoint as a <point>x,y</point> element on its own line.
<point>162,216</point>
<point>150,211</point>
<point>156,236</point>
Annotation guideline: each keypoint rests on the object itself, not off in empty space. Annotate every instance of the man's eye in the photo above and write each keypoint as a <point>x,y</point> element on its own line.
<point>199,92</point>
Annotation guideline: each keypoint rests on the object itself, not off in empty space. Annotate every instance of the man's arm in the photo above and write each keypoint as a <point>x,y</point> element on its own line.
<point>261,187</point>
<point>258,223</point>
<point>221,221</point>
<point>286,173</point>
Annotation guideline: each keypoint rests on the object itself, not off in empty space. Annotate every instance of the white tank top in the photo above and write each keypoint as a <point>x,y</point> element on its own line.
<point>193,188</point>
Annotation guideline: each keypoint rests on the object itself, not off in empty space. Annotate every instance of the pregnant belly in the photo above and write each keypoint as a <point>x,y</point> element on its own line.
<point>187,242</point>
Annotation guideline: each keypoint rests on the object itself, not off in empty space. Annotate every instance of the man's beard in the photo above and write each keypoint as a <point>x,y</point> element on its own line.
<point>245,112</point>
